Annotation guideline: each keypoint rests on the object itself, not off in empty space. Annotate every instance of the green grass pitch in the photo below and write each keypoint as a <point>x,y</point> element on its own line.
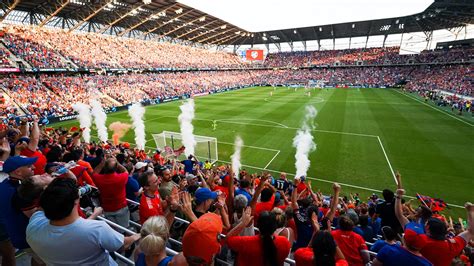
<point>360,134</point>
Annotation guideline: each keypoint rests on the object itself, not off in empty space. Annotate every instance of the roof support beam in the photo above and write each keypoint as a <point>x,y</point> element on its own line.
<point>91,15</point>
<point>182,26</point>
<point>233,42</point>
<point>195,29</point>
<point>120,18</point>
<point>168,22</point>
<point>206,32</point>
<point>9,9</point>
<point>145,20</point>
<point>225,39</point>
<point>58,9</point>
<point>215,35</point>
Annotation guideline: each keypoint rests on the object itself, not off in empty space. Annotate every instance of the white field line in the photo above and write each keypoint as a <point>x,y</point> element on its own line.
<point>313,178</point>
<point>388,161</point>
<point>272,159</point>
<point>249,119</point>
<point>249,146</point>
<point>272,126</point>
<point>439,110</point>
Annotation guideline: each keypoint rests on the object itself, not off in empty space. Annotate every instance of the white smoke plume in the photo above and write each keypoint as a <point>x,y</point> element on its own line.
<point>236,156</point>
<point>85,120</point>
<point>303,142</point>
<point>136,112</point>
<point>99,118</point>
<point>185,122</point>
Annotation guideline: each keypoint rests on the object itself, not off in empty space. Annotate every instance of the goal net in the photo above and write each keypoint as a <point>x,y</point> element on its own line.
<point>171,143</point>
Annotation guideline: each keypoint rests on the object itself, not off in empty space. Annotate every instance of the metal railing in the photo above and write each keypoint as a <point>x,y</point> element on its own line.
<point>170,251</point>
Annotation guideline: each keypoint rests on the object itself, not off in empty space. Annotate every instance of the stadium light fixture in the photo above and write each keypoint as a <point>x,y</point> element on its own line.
<point>320,29</point>
<point>147,2</point>
<point>353,25</point>
<point>179,11</point>
<point>264,38</point>
<point>397,21</point>
<point>264,35</point>
<point>203,18</point>
<point>252,34</point>
<point>294,32</point>
<point>223,27</point>
<point>237,32</point>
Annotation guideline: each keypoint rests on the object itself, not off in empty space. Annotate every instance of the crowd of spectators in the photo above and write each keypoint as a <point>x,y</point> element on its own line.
<point>54,95</point>
<point>29,48</point>
<point>458,79</point>
<point>56,189</point>
<point>365,56</point>
<point>50,48</point>
<point>4,55</point>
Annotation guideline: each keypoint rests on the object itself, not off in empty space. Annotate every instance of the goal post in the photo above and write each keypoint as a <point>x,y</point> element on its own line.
<point>171,142</point>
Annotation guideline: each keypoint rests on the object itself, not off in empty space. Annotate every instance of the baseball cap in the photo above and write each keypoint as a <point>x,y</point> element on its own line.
<point>140,165</point>
<point>15,162</point>
<point>201,238</point>
<point>204,194</point>
<point>414,236</point>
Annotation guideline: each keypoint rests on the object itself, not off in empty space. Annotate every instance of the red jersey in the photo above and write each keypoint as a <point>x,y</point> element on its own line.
<point>86,165</point>
<point>350,244</point>
<point>264,206</point>
<point>112,190</point>
<point>82,176</point>
<point>442,252</point>
<point>304,257</point>
<point>150,206</point>
<point>159,159</point>
<point>40,163</point>
<point>249,249</point>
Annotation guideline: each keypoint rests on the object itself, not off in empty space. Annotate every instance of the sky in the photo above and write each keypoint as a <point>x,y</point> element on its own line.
<point>265,15</point>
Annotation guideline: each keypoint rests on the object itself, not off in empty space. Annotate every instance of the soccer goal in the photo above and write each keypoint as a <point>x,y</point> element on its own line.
<point>171,143</point>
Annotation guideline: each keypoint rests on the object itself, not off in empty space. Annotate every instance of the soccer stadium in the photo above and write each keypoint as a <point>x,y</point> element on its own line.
<point>200,132</point>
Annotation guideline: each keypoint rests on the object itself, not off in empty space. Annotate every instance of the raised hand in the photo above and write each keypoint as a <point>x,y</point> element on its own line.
<point>247,216</point>
<point>173,198</point>
<point>400,192</point>
<point>399,180</point>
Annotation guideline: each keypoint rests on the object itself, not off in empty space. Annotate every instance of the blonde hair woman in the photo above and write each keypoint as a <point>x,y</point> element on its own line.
<point>152,247</point>
<point>282,225</point>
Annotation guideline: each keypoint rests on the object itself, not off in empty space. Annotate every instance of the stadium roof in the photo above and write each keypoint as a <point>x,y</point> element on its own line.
<point>165,18</point>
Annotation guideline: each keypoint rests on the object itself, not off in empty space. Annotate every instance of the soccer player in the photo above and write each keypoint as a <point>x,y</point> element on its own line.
<point>214,125</point>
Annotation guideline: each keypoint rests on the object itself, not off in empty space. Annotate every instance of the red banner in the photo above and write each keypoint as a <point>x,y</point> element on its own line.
<point>254,55</point>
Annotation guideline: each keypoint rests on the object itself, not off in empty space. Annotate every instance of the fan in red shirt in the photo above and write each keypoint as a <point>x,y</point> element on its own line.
<point>267,197</point>
<point>438,250</point>
<point>111,179</point>
<point>150,202</point>
<point>351,244</point>
<point>262,249</point>
<point>158,158</point>
<point>323,251</point>
<point>28,147</point>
